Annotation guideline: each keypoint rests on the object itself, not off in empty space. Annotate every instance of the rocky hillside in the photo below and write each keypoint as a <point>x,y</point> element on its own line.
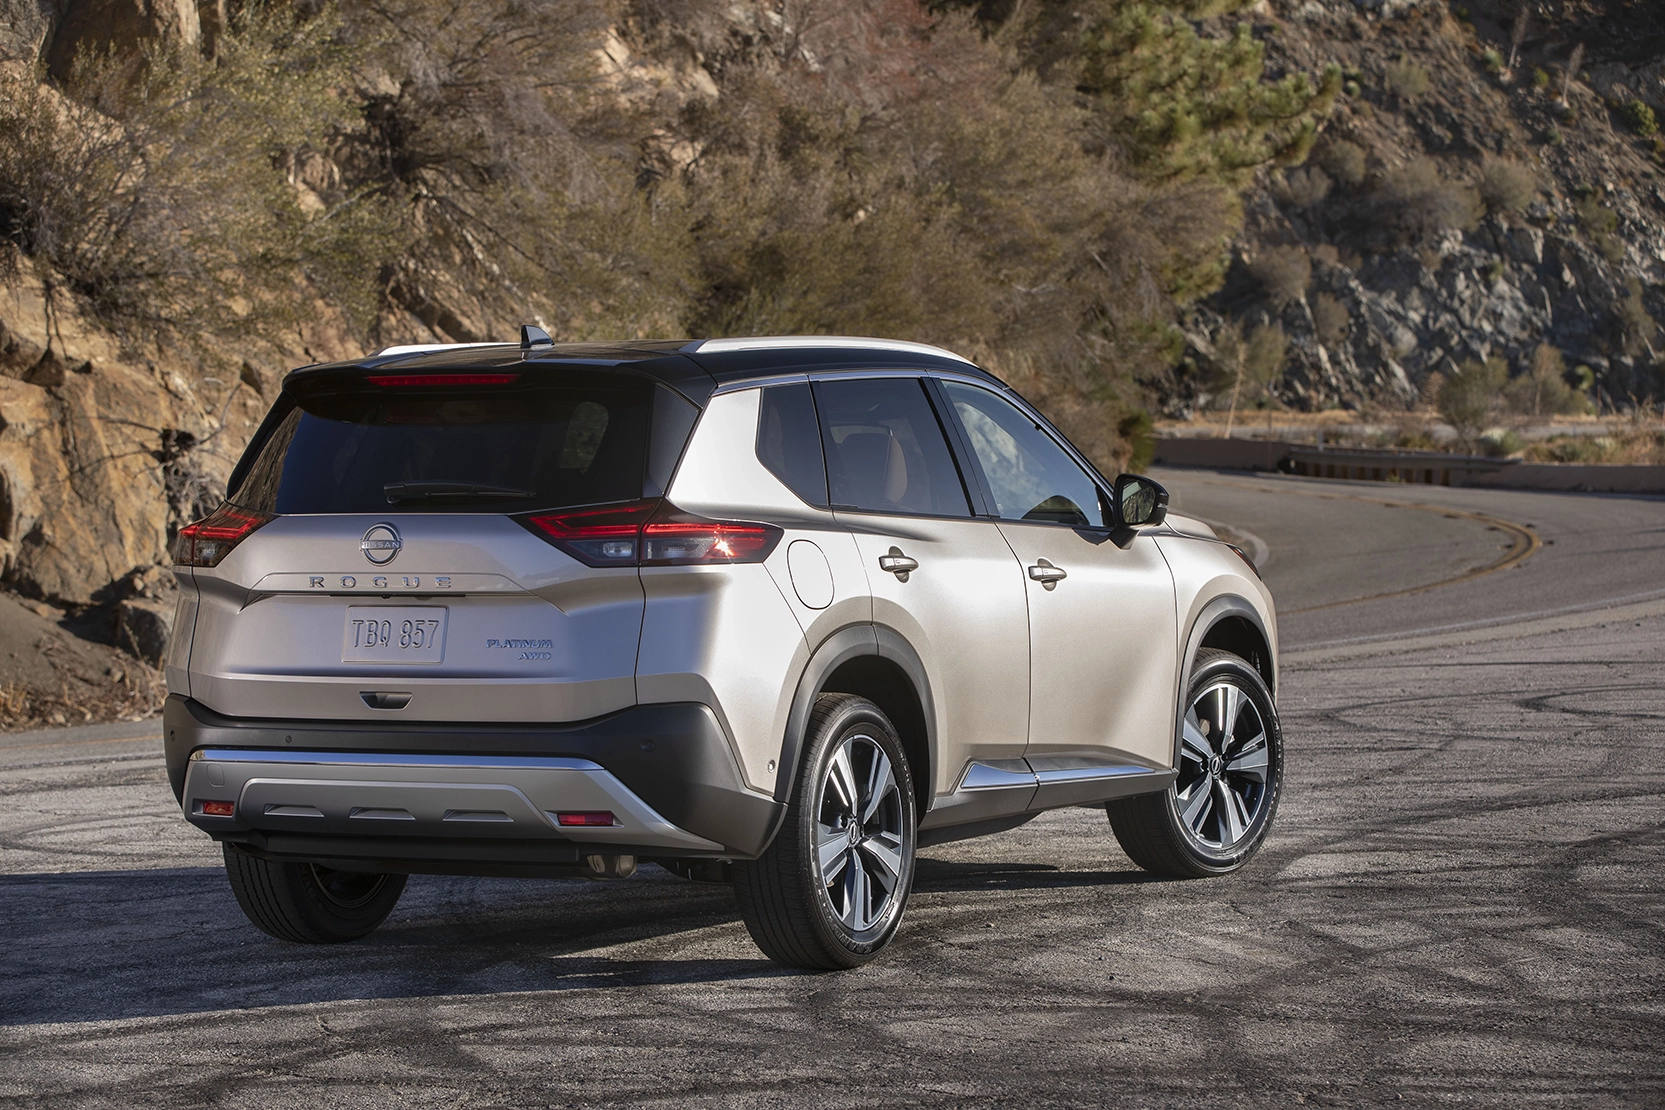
<point>1124,206</point>
<point>1455,208</point>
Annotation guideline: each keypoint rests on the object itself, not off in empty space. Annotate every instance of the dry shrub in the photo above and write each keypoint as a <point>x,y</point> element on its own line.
<point>1304,188</point>
<point>1331,320</point>
<point>1506,186</point>
<point>1415,203</point>
<point>1630,446</point>
<point>1406,80</point>
<point>158,195</point>
<point>1344,161</point>
<point>1543,389</point>
<point>1469,396</point>
<point>1282,273</point>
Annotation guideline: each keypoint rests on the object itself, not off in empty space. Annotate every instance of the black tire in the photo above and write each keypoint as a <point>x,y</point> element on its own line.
<point>794,917</point>
<point>308,904</point>
<point>1152,828</point>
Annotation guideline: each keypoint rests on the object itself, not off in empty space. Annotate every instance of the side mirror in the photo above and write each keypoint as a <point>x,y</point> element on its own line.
<point>1139,501</point>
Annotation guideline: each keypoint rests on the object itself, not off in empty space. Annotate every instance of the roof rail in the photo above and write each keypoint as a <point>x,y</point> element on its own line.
<point>788,342</point>
<point>422,348</point>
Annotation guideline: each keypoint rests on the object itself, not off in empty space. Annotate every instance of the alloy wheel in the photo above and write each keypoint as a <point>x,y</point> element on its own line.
<point>859,830</point>
<point>1223,767</point>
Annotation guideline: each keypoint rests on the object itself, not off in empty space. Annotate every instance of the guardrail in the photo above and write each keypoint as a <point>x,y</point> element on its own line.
<point>1417,467</point>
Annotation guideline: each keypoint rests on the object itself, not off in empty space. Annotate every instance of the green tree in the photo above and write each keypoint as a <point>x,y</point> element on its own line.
<point>1470,396</point>
<point>1252,361</point>
<point>1183,105</point>
<point>1543,389</point>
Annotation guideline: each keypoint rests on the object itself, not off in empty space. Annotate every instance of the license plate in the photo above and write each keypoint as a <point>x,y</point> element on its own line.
<point>394,634</point>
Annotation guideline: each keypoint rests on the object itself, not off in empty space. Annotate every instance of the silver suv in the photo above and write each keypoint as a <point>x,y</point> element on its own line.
<point>775,612</point>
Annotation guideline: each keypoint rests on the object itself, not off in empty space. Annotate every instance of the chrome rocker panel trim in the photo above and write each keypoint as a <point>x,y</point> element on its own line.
<point>998,788</point>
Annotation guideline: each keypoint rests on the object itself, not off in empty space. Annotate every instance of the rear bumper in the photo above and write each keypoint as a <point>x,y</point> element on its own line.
<point>467,794</point>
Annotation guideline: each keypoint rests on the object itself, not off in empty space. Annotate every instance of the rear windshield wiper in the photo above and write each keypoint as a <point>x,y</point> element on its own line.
<point>428,491</point>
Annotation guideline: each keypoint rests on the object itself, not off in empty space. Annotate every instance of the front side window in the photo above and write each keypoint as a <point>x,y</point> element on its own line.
<point>1029,475</point>
<point>885,450</point>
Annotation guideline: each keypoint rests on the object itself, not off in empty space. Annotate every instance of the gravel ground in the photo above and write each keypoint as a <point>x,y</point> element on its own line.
<point>1462,901</point>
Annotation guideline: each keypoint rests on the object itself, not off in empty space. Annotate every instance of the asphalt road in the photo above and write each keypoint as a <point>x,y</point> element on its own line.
<point>1461,902</point>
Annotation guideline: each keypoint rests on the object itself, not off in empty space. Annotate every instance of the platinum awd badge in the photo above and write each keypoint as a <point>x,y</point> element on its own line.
<point>381,544</point>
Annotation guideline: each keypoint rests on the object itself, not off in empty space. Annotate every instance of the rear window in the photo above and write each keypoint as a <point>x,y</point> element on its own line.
<point>372,449</point>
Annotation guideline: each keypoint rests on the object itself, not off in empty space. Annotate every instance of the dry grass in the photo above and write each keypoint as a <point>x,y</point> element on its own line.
<point>130,693</point>
<point>1630,446</point>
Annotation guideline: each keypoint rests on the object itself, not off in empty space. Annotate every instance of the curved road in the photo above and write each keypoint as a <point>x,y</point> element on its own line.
<point>1462,900</point>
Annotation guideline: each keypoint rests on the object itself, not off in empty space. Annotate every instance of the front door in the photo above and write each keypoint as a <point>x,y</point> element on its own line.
<point>941,579</point>
<point>1102,625</point>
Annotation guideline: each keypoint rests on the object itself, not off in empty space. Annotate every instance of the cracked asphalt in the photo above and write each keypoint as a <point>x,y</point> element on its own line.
<point>1463,900</point>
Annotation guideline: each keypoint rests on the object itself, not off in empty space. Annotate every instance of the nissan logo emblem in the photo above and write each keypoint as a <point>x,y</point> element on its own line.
<point>381,544</point>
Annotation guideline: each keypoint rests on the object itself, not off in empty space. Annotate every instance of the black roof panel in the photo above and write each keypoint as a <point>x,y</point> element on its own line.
<point>692,372</point>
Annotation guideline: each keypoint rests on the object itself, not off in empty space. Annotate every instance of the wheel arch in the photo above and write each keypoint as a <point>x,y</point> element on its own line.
<point>1229,623</point>
<point>878,664</point>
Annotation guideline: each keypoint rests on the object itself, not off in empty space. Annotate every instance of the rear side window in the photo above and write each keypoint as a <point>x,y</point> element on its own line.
<point>789,441</point>
<point>885,450</point>
<point>361,448</point>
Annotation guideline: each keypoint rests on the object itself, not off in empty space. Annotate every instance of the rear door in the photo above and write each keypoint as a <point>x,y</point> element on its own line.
<point>945,581</point>
<point>390,578</point>
<point>1101,605</point>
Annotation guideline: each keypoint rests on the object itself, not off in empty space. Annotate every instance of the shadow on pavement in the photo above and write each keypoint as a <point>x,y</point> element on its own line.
<point>934,876</point>
<point>104,945</point>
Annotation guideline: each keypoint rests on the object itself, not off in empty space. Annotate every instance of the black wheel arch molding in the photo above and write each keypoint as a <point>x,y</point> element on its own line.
<point>1232,623</point>
<point>837,666</point>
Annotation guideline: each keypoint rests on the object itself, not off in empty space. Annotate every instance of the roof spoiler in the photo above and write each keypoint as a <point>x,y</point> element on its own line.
<point>530,336</point>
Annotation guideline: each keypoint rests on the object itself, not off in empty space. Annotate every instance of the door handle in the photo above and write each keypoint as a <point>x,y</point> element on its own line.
<point>898,564</point>
<point>1047,574</point>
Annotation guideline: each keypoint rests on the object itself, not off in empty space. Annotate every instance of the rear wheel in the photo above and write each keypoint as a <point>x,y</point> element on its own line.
<point>309,904</point>
<point>830,891</point>
<point>1215,815</point>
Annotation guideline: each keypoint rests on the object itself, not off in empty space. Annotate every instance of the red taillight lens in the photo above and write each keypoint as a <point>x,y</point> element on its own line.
<point>606,536</point>
<point>217,809</point>
<point>210,539</point>
<point>589,818</point>
<point>418,380</point>
<point>687,542</point>
<point>652,533</point>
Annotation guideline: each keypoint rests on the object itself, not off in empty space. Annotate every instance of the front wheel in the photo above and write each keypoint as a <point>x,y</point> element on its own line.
<point>1215,815</point>
<point>829,892</point>
<point>309,904</point>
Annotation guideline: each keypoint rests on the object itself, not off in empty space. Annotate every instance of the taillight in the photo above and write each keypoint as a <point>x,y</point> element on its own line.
<point>206,542</point>
<point>652,533</point>
<point>601,537</point>
<point>683,542</point>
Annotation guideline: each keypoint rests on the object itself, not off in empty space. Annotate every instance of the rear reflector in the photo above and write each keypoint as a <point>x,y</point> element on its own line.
<point>217,809</point>
<point>206,542</point>
<point>652,533</point>
<point>591,818</point>
<point>412,381</point>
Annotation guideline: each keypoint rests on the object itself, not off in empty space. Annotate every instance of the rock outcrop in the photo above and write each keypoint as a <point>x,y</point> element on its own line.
<point>101,458</point>
<point>1578,266</point>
